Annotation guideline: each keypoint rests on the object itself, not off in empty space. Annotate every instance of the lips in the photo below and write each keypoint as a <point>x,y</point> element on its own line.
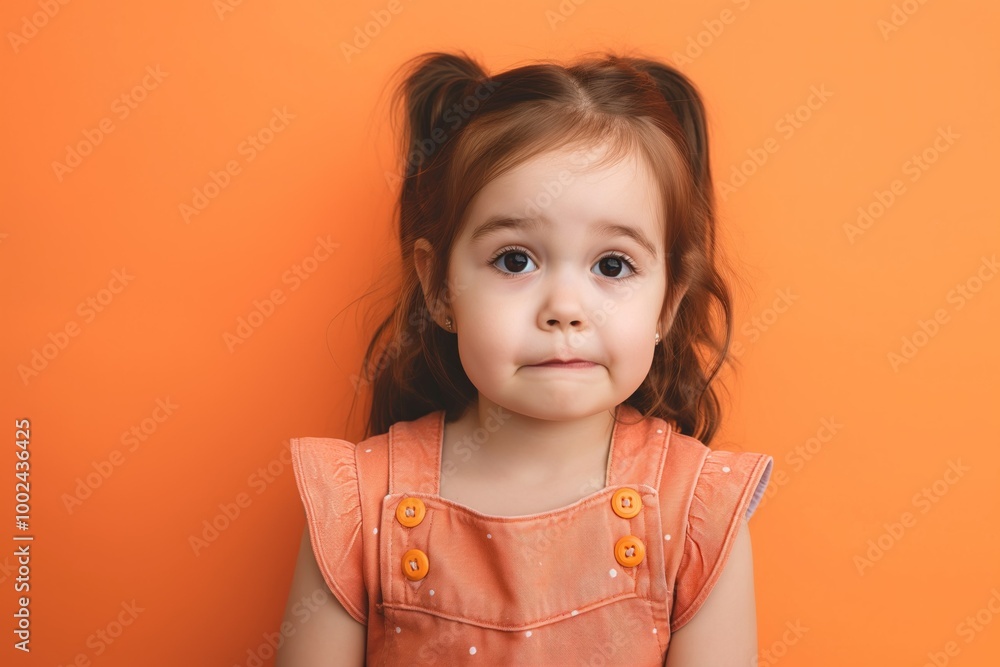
<point>568,363</point>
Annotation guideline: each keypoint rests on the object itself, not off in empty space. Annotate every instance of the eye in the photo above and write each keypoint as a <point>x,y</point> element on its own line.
<point>615,262</point>
<point>515,259</point>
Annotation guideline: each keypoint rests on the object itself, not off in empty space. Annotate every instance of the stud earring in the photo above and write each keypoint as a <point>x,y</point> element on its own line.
<point>447,323</point>
<point>657,340</point>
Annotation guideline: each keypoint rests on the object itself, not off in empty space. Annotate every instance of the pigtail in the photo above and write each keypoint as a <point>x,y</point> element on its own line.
<point>434,83</point>
<point>684,100</point>
<point>411,364</point>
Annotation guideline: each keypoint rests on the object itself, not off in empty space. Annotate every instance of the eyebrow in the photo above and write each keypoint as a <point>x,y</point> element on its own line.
<point>498,223</point>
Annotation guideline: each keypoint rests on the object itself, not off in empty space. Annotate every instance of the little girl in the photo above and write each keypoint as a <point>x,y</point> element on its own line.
<point>535,486</point>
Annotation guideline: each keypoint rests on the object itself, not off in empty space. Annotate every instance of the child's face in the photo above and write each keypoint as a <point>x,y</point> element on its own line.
<point>565,291</point>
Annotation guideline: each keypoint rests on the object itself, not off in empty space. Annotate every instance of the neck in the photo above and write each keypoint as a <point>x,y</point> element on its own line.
<point>527,449</point>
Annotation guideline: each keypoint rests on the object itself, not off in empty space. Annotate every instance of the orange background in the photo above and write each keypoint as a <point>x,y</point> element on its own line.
<point>820,357</point>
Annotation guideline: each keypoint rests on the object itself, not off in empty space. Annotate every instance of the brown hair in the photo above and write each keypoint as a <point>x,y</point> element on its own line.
<point>464,128</point>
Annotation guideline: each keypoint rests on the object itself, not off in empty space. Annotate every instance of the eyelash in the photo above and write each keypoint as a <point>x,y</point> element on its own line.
<point>513,248</point>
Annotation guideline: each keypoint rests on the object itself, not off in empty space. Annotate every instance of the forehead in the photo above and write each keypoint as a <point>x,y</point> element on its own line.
<point>570,190</point>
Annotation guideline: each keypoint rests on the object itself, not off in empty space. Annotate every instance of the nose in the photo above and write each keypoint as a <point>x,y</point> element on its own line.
<point>563,306</point>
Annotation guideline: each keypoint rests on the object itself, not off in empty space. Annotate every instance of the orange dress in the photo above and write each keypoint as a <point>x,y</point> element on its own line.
<point>602,581</point>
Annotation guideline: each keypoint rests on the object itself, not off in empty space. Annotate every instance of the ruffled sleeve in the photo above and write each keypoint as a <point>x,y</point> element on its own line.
<point>728,490</point>
<point>327,477</point>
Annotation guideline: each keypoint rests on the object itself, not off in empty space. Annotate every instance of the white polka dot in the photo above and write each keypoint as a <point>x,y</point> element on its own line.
<point>367,450</point>
<point>375,530</point>
<point>528,633</point>
<point>574,612</point>
<point>613,572</point>
<point>725,468</point>
<point>654,631</point>
<point>659,430</point>
<point>489,536</point>
<point>432,591</point>
<point>667,536</point>
<point>398,629</point>
<point>472,650</point>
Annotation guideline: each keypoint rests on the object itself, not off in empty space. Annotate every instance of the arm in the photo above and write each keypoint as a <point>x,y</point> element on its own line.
<point>723,633</point>
<point>323,634</point>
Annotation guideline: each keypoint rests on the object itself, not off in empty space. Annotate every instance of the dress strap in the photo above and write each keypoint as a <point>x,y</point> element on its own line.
<point>638,448</point>
<point>415,454</point>
<point>638,451</point>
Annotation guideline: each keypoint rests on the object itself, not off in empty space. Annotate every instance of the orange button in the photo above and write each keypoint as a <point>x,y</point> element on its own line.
<point>410,511</point>
<point>629,551</point>
<point>626,503</point>
<point>415,564</point>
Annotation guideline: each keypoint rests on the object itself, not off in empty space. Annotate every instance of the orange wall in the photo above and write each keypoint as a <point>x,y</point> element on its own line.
<point>131,303</point>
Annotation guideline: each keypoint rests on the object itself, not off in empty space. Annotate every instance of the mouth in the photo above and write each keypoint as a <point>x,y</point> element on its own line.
<point>570,363</point>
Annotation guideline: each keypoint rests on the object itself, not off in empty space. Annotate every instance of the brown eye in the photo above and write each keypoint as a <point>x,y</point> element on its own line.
<point>613,266</point>
<point>514,261</point>
<point>511,260</point>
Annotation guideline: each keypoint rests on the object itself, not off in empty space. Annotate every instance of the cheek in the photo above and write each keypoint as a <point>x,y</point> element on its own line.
<point>484,332</point>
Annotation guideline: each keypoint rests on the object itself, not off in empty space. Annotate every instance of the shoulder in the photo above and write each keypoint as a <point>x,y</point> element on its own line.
<point>715,493</point>
<point>333,461</point>
<point>329,484</point>
<point>705,480</point>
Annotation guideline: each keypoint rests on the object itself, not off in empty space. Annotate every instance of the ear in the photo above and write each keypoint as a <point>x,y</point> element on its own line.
<point>423,261</point>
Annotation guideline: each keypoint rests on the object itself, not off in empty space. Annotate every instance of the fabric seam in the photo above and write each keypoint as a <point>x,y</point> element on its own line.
<point>316,540</point>
<point>703,593</point>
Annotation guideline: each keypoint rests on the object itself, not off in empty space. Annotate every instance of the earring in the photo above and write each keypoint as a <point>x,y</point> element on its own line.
<point>447,323</point>
<point>657,340</point>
